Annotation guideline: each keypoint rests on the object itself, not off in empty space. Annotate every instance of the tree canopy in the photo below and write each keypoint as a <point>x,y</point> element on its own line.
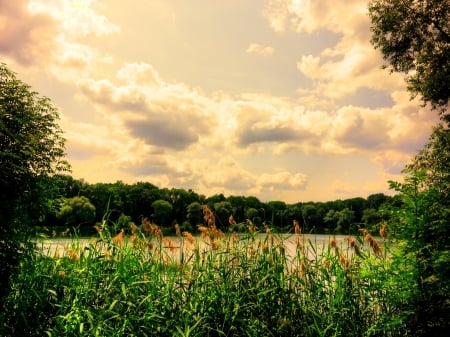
<point>31,142</point>
<point>31,148</point>
<point>414,38</point>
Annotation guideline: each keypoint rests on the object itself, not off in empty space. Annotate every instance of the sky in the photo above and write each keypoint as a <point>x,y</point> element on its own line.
<point>279,99</point>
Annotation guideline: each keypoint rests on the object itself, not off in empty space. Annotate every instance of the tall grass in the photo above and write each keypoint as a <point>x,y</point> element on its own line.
<point>142,284</point>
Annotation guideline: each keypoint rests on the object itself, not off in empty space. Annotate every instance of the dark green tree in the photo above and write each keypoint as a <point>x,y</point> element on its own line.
<point>331,219</point>
<point>77,211</point>
<point>345,219</point>
<point>222,210</point>
<point>162,211</point>
<point>312,220</point>
<point>194,214</point>
<point>414,38</point>
<point>31,147</point>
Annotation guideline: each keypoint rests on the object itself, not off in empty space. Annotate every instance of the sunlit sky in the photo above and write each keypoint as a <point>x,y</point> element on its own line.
<point>278,99</point>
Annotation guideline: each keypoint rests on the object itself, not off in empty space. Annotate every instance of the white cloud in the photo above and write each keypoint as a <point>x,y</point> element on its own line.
<point>258,49</point>
<point>283,180</point>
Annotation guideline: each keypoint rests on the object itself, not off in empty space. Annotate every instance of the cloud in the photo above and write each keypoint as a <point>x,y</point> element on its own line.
<point>77,18</point>
<point>255,48</point>
<point>25,36</point>
<point>283,180</point>
<point>277,13</point>
<point>162,114</point>
<point>342,69</point>
<point>165,132</point>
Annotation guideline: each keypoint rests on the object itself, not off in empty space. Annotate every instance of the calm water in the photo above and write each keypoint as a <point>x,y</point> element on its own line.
<point>313,244</point>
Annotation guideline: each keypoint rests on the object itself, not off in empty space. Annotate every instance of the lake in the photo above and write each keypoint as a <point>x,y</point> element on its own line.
<point>313,244</point>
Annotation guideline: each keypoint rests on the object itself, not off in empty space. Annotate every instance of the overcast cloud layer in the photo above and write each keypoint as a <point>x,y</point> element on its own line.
<point>280,99</point>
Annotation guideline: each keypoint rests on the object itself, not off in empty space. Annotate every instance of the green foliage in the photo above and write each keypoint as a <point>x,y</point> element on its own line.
<point>223,210</point>
<point>134,200</point>
<point>422,230</point>
<point>414,38</point>
<point>76,211</point>
<point>239,287</point>
<point>31,147</point>
<point>161,212</point>
<point>194,213</point>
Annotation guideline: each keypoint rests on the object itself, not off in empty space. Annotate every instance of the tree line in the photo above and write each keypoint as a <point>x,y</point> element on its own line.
<point>76,203</point>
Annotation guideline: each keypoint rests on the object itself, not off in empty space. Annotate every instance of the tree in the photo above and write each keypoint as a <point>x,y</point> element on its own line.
<point>31,147</point>
<point>331,219</point>
<point>312,220</point>
<point>77,211</point>
<point>223,210</point>
<point>420,228</point>
<point>162,211</point>
<point>194,213</point>
<point>414,38</point>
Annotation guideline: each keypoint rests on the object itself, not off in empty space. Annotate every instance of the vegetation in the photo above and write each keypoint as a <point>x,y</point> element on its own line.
<point>144,284</point>
<point>31,148</point>
<point>166,207</point>
<point>414,38</point>
<point>133,280</point>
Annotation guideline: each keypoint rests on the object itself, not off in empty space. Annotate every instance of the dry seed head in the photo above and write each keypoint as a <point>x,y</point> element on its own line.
<point>297,228</point>
<point>147,226</point>
<point>202,229</point>
<point>133,228</point>
<point>177,230</point>
<point>373,244</point>
<point>357,250</point>
<point>189,237</point>
<point>231,220</point>
<point>345,263</point>
<point>299,244</point>
<point>73,254</point>
<point>251,227</point>
<point>384,231</point>
<point>62,274</point>
<point>215,244</point>
<point>168,242</point>
<point>118,239</point>
<point>333,243</point>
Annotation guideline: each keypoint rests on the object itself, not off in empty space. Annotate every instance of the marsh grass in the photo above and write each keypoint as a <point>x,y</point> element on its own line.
<point>142,284</point>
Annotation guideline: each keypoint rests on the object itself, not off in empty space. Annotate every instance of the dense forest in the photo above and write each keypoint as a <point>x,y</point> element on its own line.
<point>78,204</point>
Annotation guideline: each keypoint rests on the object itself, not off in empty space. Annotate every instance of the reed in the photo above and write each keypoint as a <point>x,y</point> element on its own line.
<point>199,285</point>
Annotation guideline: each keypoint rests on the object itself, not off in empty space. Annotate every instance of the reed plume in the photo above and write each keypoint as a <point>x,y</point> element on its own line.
<point>251,227</point>
<point>168,243</point>
<point>297,228</point>
<point>354,245</point>
<point>118,239</point>
<point>73,254</point>
<point>384,231</point>
<point>372,243</point>
<point>189,237</point>
<point>177,230</point>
